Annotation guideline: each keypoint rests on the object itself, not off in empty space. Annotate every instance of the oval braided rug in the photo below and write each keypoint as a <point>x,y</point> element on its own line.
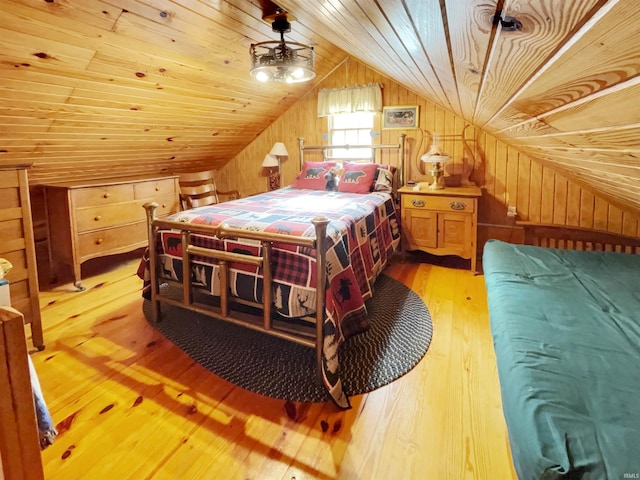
<point>399,336</point>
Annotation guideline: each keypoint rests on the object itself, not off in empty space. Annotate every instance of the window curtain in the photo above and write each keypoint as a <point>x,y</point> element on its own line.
<point>363,98</point>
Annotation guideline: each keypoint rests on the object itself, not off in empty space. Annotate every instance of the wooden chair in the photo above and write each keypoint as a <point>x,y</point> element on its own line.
<point>199,188</point>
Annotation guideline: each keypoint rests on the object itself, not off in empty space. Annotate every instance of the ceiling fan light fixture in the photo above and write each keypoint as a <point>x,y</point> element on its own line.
<point>280,61</point>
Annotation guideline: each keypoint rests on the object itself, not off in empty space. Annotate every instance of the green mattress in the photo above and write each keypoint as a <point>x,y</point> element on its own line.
<point>566,331</point>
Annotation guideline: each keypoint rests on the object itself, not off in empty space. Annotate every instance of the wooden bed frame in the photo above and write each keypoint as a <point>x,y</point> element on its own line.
<point>577,238</point>
<point>19,444</point>
<point>225,312</point>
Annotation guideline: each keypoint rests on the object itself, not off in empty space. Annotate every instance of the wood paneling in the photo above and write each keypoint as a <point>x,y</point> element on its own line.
<point>569,70</point>
<point>537,189</point>
<point>135,88</point>
<point>91,88</point>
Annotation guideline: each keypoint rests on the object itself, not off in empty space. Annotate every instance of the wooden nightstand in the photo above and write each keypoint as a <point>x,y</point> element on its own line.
<point>441,222</point>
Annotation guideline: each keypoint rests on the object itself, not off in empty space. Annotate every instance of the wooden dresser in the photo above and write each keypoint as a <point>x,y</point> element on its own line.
<point>17,246</point>
<point>441,222</point>
<point>94,219</point>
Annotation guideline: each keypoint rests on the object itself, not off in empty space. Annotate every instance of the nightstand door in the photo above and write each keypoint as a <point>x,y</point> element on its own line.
<point>420,228</point>
<point>454,232</point>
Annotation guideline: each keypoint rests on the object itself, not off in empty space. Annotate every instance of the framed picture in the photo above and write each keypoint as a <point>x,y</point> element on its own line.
<point>400,117</point>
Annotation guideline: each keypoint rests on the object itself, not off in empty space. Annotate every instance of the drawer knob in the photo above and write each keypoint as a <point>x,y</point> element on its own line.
<point>456,205</point>
<point>107,195</point>
<point>98,218</point>
<point>99,241</point>
<point>157,189</point>
<point>418,203</point>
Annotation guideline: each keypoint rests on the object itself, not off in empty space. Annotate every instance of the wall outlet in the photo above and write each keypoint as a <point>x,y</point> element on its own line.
<point>511,211</point>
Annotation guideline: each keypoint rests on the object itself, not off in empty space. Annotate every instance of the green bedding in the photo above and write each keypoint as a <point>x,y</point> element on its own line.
<point>566,331</point>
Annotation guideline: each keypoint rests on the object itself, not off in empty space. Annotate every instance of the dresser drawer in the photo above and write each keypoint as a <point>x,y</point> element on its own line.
<point>102,195</point>
<point>111,240</point>
<point>424,202</point>
<point>95,218</point>
<point>154,188</point>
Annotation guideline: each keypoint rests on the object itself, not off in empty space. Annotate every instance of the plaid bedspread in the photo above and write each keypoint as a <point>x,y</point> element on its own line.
<point>362,233</point>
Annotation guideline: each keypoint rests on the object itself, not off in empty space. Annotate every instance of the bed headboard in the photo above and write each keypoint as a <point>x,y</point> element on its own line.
<point>577,238</point>
<point>399,147</point>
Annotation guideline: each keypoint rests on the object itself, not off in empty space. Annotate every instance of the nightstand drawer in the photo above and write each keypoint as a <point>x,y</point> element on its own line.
<point>424,202</point>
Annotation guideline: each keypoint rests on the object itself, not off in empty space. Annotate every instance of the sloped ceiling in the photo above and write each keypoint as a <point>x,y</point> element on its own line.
<point>563,87</point>
<point>91,81</point>
<point>89,84</point>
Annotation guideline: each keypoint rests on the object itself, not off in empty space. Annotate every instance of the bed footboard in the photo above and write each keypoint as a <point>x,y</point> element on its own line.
<point>577,238</point>
<point>223,259</point>
<point>19,444</point>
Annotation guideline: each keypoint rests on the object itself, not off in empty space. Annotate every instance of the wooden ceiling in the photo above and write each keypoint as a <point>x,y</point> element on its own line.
<point>85,83</point>
<point>89,81</point>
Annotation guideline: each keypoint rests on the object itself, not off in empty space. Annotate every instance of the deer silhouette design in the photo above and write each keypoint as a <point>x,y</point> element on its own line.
<point>344,291</point>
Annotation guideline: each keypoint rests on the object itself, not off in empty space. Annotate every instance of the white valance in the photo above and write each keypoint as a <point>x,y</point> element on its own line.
<point>363,98</point>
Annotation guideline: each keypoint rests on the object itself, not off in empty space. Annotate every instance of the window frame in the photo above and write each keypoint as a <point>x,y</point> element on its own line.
<point>361,133</point>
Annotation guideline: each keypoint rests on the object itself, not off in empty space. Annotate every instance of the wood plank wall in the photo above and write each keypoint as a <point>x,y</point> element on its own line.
<point>507,176</point>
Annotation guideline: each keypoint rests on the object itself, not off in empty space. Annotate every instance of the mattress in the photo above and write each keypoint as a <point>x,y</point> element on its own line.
<point>566,331</point>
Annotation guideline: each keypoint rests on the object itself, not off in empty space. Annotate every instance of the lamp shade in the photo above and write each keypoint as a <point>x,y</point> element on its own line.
<point>279,150</point>
<point>435,154</point>
<point>269,161</point>
<point>280,61</point>
<point>435,157</point>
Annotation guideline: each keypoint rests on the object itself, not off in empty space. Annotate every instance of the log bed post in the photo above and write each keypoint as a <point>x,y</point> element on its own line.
<point>266,285</point>
<point>187,296</point>
<point>320,224</point>
<point>150,208</point>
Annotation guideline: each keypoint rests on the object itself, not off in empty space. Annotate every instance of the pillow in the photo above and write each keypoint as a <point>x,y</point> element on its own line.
<point>384,178</point>
<point>357,177</point>
<point>312,175</point>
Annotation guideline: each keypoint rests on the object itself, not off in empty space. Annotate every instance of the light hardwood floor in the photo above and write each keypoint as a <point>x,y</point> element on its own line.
<point>130,405</point>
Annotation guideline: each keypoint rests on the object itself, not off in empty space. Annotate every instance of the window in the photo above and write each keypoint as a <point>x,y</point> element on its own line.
<point>351,129</point>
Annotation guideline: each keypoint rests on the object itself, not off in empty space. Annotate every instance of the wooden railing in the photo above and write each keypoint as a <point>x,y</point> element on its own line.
<point>19,444</point>
<point>577,238</point>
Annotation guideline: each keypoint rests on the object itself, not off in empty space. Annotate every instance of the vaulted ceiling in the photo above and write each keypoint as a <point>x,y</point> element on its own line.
<point>557,79</point>
<point>96,80</point>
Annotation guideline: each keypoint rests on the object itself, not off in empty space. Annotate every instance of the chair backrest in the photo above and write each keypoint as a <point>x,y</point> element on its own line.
<point>198,189</point>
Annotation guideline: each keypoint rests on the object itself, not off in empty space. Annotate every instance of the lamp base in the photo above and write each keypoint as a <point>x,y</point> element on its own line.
<point>437,172</point>
<point>438,184</point>
<point>273,181</point>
